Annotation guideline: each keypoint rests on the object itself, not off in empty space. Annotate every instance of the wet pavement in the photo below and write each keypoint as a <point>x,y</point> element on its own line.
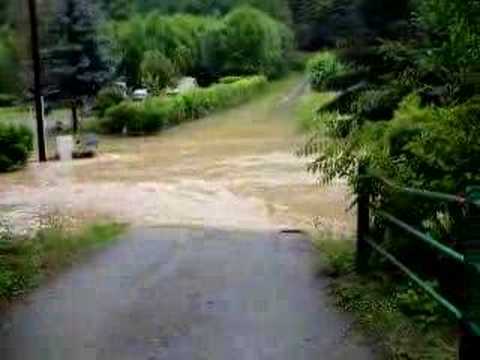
<point>236,169</point>
<point>185,294</point>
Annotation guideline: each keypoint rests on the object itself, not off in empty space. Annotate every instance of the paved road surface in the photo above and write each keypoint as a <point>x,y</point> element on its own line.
<point>185,294</point>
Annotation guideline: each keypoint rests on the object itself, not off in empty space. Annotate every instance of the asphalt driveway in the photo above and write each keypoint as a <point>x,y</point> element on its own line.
<point>185,294</point>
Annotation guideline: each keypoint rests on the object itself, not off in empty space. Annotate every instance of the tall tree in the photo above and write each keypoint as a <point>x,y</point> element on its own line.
<point>77,58</point>
<point>9,64</point>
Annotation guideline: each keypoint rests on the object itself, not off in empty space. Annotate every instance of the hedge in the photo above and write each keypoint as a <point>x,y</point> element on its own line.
<point>16,144</point>
<point>159,112</point>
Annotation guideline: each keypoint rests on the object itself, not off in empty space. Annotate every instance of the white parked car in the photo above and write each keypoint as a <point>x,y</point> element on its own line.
<point>140,94</point>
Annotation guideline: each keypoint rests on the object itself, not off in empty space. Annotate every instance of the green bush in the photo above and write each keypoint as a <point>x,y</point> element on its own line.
<point>107,98</point>
<point>336,125</point>
<point>119,116</point>
<point>323,67</point>
<point>157,71</point>
<point>248,42</point>
<point>155,113</point>
<point>16,144</point>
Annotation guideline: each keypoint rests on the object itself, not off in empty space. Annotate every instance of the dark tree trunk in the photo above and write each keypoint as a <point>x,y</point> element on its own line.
<point>75,117</point>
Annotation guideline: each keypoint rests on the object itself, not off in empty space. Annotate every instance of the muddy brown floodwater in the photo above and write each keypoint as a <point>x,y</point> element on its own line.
<point>236,169</point>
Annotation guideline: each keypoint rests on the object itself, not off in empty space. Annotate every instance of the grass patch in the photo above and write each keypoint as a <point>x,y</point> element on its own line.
<point>403,321</point>
<point>25,262</point>
<point>307,110</point>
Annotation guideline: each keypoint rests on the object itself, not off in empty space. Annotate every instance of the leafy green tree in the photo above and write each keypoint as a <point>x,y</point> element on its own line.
<point>178,37</point>
<point>130,43</point>
<point>453,34</point>
<point>248,42</point>
<point>276,8</point>
<point>157,71</point>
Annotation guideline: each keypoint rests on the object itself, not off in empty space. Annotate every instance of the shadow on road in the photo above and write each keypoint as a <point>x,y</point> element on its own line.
<point>182,293</point>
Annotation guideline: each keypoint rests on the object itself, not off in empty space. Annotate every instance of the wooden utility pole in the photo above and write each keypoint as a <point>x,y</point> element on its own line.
<point>37,88</point>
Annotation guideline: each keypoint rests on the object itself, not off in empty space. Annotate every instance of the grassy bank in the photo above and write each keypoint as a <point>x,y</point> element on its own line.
<point>306,111</point>
<point>403,321</point>
<point>26,262</point>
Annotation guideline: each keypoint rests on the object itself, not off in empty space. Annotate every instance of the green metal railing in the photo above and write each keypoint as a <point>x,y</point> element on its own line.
<point>468,256</point>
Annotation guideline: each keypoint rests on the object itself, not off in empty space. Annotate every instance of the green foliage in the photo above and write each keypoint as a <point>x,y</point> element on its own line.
<point>25,262</point>
<point>453,34</point>
<point>107,98</point>
<point>120,116</point>
<point>378,104</point>
<point>421,146</point>
<point>276,8</point>
<point>157,71</point>
<point>118,9</point>
<point>404,321</point>
<point>323,67</point>
<point>248,42</point>
<point>254,43</point>
<point>178,38</point>
<point>339,253</point>
<point>9,64</point>
<point>158,112</point>
<point>336,125</point>
<point>418,304</point>
<point>244,42</point>
<point>16,144</point>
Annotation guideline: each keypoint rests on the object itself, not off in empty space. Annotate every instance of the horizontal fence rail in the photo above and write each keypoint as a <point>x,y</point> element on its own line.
<point>430,290</point>
<point>445,250</point>
<point>469,315</point>
<point>431,195</point>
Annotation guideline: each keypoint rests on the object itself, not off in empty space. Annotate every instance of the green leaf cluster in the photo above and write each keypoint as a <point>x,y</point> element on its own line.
<point>16,144</point>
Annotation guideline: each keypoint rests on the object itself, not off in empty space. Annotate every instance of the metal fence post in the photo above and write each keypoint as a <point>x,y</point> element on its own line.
<point>363,221</point>
<point>470,244</point>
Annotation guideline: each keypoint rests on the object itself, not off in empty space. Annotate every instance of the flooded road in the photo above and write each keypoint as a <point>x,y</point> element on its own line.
<point>236,169</point>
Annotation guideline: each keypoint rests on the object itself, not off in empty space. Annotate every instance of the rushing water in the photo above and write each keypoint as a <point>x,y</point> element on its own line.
<point>234,169</point>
